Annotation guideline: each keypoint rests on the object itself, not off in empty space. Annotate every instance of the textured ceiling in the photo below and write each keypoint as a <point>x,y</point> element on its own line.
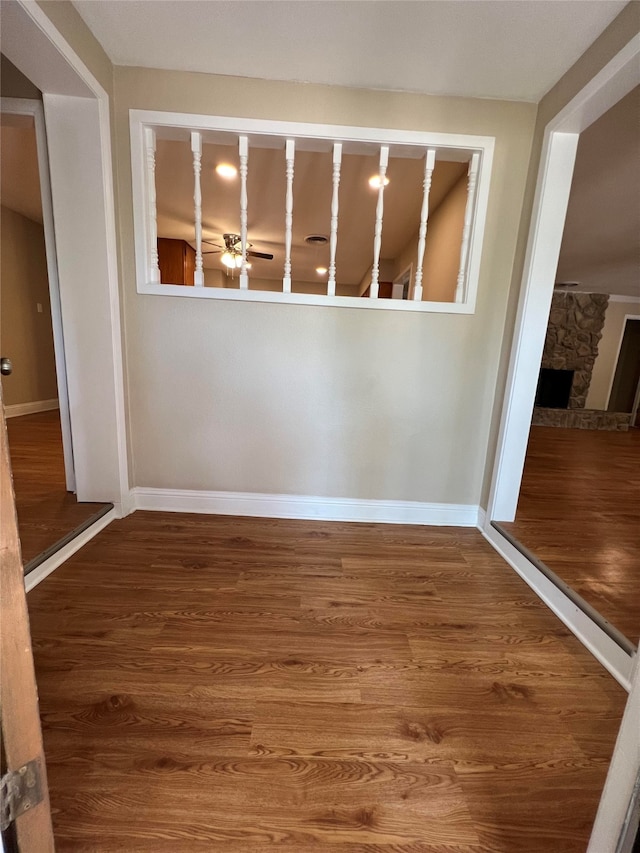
<point>601,241</point>
<point>511,50</point>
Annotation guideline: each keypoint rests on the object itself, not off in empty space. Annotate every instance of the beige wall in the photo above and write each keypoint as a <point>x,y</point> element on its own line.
<point>621,30</point>
<point>69,23</point>
<point>26,336</point>
<point>605,365</point>
<point>349,402</point>
<point>442,248</point>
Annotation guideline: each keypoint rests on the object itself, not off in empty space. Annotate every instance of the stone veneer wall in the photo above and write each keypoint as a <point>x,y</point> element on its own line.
<point>581,419</point>
<point>573,333</point>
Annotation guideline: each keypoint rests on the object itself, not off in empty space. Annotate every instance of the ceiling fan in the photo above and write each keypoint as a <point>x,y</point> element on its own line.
<point>232,251</point>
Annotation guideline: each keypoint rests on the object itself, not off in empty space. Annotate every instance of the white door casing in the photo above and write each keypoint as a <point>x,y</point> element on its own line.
<point>77,118</point>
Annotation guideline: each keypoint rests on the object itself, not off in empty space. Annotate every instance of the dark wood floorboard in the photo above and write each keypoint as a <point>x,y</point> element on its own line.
<point>579,512</point>
<point>233,684</point>
<point>46,511</point>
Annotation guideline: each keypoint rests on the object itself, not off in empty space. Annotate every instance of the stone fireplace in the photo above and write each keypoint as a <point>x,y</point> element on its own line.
<point>570,350</point>
<point>554,388</point>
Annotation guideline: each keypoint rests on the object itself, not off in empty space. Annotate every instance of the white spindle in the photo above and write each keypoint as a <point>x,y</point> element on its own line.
<point>472,180</point>
<point>290,152</point>
<point>377,238</point>
<point>333,240</point>
<point>243,151</point>
<point>429,165</point>
<point>196,149</point>
<point>153,268</point>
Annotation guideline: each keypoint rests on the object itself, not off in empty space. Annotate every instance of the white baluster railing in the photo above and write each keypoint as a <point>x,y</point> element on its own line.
<point>243,151</point>
<point>377,238</point>
<point>333,239</point>
<point>429,165</point>
<point>472,180</point>
<point>153,268</point>
<point>290,152</point>
<point>196,150</point>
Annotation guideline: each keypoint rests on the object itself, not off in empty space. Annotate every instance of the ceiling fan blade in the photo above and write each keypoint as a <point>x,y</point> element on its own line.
<point>265,255</point>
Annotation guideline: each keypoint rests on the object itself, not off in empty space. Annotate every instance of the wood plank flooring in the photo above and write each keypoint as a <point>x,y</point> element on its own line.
<point>46,511</point>
<point>251,685</point>
<point>579,512</point>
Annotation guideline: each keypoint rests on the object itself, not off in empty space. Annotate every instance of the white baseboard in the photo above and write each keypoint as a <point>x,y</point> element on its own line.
<point>30,408</point>
<point>305,507</point>
<point>614,659</point>
<point>44,569</point>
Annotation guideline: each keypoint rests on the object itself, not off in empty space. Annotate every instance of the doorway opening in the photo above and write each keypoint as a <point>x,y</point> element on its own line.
<point>31,336</point>
<point>613,84</point>
<point>625,387</point>
<point>576,509</point>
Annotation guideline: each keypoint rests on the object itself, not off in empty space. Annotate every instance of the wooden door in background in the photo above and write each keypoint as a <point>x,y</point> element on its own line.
<point>19,713</point>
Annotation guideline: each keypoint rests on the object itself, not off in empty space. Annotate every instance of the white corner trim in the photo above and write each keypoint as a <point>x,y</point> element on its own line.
<point>614,659</point>
<point>621,778</point>
<point>44,569</point>
<point>30,408</point>
<point>482,518</point>
<point>305,507</point>
<point>632,300</point>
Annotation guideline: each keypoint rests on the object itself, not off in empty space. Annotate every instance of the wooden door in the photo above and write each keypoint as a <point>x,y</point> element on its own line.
<point>21,733</point>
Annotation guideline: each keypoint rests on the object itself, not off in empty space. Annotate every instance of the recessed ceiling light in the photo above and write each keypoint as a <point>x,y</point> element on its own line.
<point>226,170</point>
<point>374,181</point>
<point>566,284</point>
<point>321,270</point>
<point>316,240</point>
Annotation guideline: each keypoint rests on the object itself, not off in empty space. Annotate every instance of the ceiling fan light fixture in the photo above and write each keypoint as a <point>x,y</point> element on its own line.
<point>233,260</point>
<point>375,182</point>
<point>226,170</point>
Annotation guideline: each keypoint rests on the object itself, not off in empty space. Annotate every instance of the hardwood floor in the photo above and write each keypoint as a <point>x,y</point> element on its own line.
<point>46,511</point>
<point>249,685</point>
<point>579,512</point>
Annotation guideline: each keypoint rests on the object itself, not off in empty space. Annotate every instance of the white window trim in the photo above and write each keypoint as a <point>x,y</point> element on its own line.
<point>139,119</point>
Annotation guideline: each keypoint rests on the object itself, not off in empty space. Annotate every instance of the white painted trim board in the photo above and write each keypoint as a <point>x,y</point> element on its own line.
<point>304,507</point>
<point>44,569</point>
<point>614,659</point>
